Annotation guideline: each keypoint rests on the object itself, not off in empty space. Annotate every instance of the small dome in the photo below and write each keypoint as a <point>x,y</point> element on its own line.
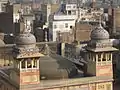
<point>99,33</point>
<point>25,39</point>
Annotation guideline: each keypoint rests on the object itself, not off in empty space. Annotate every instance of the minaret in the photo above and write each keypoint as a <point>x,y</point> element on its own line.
<point>100,53</point>
<point>26,60</point>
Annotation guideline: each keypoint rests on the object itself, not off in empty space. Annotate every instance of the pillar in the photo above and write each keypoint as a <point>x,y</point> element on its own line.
<point>26,64</point>
<point>63,49</point>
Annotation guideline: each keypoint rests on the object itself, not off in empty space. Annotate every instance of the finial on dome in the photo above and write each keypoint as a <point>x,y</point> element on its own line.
<point>100,21</point>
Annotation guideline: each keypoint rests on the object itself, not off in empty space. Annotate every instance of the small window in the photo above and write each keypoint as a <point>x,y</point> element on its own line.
<point>99,57</point>
<point>69,12</point>
<point>55,26</point>
<point>71,27</point>
<point>23,64</point>
<point>74,6</point>
<point>29,63</point>
<point>104,57</point>
<point>66,25</point>
<point>109,56</point>
<point>69,7</point>
<point>34,63</point>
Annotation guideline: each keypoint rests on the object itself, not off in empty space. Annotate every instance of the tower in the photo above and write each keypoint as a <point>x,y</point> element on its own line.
<point>100,53</point>
<point>93,3</point>
<point>26,60</point>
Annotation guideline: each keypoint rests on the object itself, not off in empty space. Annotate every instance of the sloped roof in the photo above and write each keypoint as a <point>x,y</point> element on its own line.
<point>56,67</point>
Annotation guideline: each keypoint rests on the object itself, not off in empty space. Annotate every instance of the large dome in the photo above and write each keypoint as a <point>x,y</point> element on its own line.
<point>25,39</point>
<point>99,33</point>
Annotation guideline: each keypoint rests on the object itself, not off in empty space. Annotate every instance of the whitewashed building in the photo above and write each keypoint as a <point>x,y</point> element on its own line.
<point>67,15</point>
<point>63,20</point>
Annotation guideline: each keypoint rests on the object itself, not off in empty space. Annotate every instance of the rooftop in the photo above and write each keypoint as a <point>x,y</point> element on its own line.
<point>45,84</point>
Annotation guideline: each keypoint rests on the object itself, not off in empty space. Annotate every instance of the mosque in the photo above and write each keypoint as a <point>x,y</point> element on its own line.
<point>23,66</point>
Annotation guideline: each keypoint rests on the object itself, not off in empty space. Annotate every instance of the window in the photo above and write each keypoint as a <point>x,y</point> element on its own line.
<point>23,64</point>
<point>74,12</point>
<point>99,56</point>
<point>109,56</point>
<point>71,27</point>
<point>66,25</point>
<point>104,57</point>
<point>68,7</point>
<point>69,12</point>
<point>55,26</point>
<point>34,63</point>
<point>74,6</point>
<point>29,63</point>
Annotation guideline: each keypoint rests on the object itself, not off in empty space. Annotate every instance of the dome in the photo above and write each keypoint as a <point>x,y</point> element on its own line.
<point>99,33</point>
<point>25,39</point>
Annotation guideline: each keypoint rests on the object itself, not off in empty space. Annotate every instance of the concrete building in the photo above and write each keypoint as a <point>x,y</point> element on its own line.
<point>47,10</point>
<point>63,20</point>
<point>81,32</point>
<point>19,11</point>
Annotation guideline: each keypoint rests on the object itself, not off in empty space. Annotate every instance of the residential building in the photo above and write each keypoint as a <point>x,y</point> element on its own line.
<point>66,17</point>
<point>63,20</point>
<point>47,10</point>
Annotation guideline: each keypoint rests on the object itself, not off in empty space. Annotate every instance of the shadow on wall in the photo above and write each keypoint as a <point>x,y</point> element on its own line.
<point>9,39</point>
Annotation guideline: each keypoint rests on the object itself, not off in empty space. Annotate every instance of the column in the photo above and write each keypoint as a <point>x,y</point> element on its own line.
<point>20,65</point>
<point>111,56</point>
<point>38,63</point>
<point>2,59</point>
<point>93,57</point>
<point>96,57</point>
<point>35,63</point>
<point>63,49</point>
<point>106,56</point>
<point>32,62</point>
<point>101,56</point>
<point>26,64</point>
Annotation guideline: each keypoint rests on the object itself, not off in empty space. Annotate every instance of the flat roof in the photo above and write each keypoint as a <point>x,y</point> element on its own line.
<point>47,84</point>
<point>106,49</point>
